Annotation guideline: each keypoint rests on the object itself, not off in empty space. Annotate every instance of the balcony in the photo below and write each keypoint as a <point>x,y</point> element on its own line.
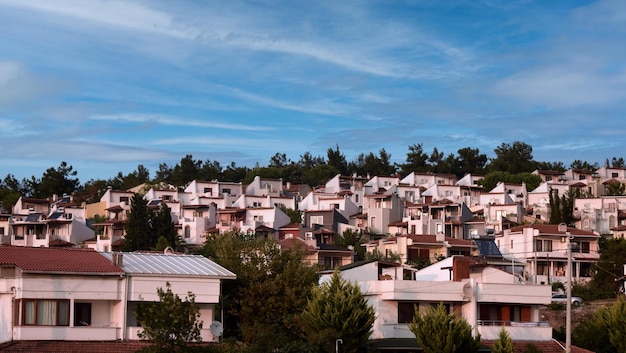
<point>518,330</point>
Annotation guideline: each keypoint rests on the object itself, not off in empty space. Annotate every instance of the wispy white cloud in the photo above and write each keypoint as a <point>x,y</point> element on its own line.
<point>565,86</point>
<point>325,107</point>
<point>119,14</point>
<point>218,141</point>
<point>18,85</point>
<point>177,121</point>
<point>365,54</point>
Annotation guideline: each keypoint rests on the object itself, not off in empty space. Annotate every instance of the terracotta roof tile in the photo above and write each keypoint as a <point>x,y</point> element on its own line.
<point>545,346</point>
<point>57,260</point>
<point>78,346</point>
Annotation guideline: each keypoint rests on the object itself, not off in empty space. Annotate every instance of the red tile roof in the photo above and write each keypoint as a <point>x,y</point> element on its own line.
<point>80,346</point>
<point>554,229</point>
<point>545,346</point>
<point>57,260</point>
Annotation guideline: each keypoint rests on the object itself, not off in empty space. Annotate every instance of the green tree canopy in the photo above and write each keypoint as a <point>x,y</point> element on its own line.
<point>294,215</point>
<point>263,305</point>
<point>492,179</point>
<point>609,267</point>
<point>603,331</point>
<point>503,344</point>
<point>162,226</point>
<point>338,310</point>
<point>337,160</point>
<point>438,331</point>
<point>471,161</point>
<point>416,160</point>
<point>513,158</point>
<point>354,239</point>
<point>171,322</point>
<point>138,226</point>
<point>61,180</point>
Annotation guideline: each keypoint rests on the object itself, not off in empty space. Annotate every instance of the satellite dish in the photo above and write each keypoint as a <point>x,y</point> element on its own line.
<point>216,328</point>
<point>468,291</point>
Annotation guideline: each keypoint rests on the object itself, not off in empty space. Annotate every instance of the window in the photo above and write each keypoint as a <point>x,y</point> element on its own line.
<point>406,311</point>
<point>124,200</point>
<point>1,230</point>
<point>44,312</point>
<point>82,314</point>
<point>226,191</point>
<point>167,197</point>
<point>258,218</point>
<point>613,175</point>
<point>331,262</point>
<point>208,190</point>
<point>317,220</point>
<point>67,215</point>
<point>583,247</point>
<point>543,245</point>
<point>187,231</point>
<point>197,214</point>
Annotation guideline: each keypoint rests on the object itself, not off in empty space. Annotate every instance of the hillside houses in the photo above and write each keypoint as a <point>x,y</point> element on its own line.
<point>379,207</point>
<point>423,220</point>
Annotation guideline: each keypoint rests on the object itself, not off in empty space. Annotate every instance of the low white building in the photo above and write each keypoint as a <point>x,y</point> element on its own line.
<point>80,294</point>
<point>487,297</point>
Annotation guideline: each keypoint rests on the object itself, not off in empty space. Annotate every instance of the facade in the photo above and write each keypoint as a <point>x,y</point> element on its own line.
<point>544,248</point>
<point>487,297</point>
<point>80,294</point>
<point>421,249</point>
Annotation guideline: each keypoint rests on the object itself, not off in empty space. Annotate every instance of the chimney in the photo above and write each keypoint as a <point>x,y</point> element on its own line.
<point>117,259</point>
<point>460,268</point>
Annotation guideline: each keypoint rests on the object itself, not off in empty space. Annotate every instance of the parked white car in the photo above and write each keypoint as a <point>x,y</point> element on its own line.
<point>562,298</point>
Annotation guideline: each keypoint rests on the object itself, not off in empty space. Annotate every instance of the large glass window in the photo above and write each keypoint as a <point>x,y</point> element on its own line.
<point>82,314</point>
<point>45,312</point>
<point>406,311</point>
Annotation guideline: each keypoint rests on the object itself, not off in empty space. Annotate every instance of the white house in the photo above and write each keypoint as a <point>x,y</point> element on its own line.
<point>543,247</point>
<point>487,297</point>
<point>80,294</point>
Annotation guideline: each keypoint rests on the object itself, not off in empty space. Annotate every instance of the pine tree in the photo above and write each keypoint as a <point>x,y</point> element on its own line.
<point>138,227</point>
<point>164,227</point>
<point>338,310</point>
<point>438,331</point>
<point>503,344</point>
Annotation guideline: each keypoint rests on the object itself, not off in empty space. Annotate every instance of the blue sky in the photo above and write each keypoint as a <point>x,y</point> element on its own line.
<point>108,85</point>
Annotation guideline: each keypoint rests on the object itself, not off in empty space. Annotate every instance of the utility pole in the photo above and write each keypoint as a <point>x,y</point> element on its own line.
<point>568,305</point>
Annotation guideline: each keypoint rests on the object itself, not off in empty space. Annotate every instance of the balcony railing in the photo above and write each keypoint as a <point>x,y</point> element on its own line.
<point>513,323</point>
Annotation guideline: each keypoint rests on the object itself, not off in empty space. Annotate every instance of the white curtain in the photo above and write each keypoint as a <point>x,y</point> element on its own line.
<point>46,312</point>
<point>29,312</point>
<point>64,313</point>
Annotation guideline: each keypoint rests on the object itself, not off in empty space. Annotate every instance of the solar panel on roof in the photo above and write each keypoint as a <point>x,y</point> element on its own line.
<point>55,215</point>
<point>32,217</point>
<point>487,247</point>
